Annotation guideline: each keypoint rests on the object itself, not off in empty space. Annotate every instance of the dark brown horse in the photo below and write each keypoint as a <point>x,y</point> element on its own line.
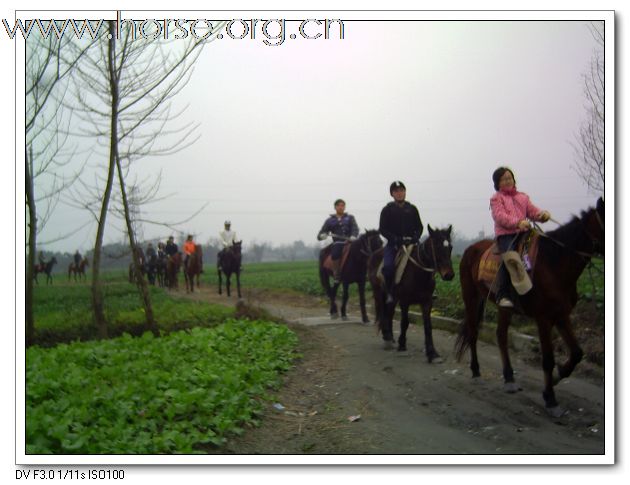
<point>228,262</point>
<point>45,268</point>
<point>74,269</point>
<point>173,265</point>
<point>160,270</point>
<point>416,287</point>
<point>192,268</point>
<point>562,256</point>
<point>354,271</point>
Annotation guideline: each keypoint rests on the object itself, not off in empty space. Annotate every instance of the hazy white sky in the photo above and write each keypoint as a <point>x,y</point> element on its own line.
<point>437,104</point>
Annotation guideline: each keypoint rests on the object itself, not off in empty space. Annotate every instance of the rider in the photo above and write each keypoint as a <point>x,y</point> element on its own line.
<point>511,210</point>
<point>151,253</point>
<point>42,261</point>
<point>161,254</point>
<point>400,224</point>
<point>228,237</point>
<point>189,249</point>
<point>171,248</point>
<point>77,258</point>
<point>343,227</point>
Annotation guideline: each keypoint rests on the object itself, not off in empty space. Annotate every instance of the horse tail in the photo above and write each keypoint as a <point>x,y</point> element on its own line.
<point>474,304</point>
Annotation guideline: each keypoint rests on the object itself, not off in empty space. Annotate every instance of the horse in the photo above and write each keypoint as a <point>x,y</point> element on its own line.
<point>228,262</point>
<point>193,268</point>
<point>160,270</point>
<point>150,268</point>
<point>354,270</point>
<point>173,264</point>
<point>132,265</point>
<point>562,256</point>
<point>74,269</point>
<point>416,286</point>
<point>45,268</point>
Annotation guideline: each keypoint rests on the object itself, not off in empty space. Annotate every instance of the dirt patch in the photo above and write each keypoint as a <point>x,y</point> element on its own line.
<point>406,405</point>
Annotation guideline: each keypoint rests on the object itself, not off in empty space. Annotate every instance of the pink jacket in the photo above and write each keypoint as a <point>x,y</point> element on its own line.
<point>509,209</point>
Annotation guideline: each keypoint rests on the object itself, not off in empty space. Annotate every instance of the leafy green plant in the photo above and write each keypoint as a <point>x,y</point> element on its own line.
<point>147,395</point>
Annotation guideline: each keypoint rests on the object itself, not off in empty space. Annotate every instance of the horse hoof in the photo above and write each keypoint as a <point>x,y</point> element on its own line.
<point>511,387</point>
<point>344,317</point>
<point>556,411</point>
<point>334,316</point>
<point>436,360</point>
<point>402,348</point>
<point>388,345</point>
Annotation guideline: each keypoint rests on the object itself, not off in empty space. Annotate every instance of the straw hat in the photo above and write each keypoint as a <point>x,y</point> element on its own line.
<point>520,279</point>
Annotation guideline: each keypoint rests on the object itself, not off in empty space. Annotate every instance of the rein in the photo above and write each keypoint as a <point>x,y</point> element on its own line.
<point>542,233</point>
<point>421,266</point>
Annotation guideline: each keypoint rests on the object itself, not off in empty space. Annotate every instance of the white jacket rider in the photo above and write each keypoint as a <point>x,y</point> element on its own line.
<point>228,237</point>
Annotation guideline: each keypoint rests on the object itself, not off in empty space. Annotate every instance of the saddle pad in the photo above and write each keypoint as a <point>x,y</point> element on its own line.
<point>344,256</point>
<point>491,260</point>
<point>400,262</point>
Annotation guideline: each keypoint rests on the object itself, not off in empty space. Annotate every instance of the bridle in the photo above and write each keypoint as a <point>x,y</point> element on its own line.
<point>417,262</point>
<point>594,241</point>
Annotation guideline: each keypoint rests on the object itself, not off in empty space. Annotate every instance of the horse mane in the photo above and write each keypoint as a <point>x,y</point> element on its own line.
<point>569,235</point>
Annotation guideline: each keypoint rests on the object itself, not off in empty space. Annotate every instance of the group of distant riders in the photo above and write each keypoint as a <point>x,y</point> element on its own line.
<point>152,258</point>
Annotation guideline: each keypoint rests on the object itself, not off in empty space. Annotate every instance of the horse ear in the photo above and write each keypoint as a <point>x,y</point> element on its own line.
<point>450,228</point>
<point>430,229</point>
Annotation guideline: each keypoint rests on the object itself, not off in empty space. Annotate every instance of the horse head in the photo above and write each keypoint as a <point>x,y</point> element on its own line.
<point>439,251</point>
<point>593,222</point>
<point>237,247</point>
<point>370,241</point>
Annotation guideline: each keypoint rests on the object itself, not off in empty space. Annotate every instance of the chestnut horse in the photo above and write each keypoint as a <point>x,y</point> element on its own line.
<point>416,286</point>
<point>75,270</point>
<point>192,268</point>
<point>562,256</point>
<point>354,271</point>
<point>228,262</point>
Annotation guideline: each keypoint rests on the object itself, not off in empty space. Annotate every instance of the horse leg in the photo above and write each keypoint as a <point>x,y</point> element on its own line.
<point>344,301</point>
<point>404,325</point>
<point>432,354</point>
<point>548,363</point>
<point>334,313</point>
<point>238,283</point>
<point>387,323</point>
<point>502,339</point>
<point>575,352</point>
<point>364,315</point>
<point>227,284</point>
<point>219,273</point>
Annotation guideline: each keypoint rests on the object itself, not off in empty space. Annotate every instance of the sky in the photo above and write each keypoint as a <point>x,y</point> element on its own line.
<point>286,130</point>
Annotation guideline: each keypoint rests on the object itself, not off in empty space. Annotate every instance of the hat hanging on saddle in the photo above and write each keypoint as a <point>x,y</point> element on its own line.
<point>520,279</point>
<point>396,185</point>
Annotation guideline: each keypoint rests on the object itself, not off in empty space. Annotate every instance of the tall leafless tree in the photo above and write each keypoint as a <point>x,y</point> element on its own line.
<point>124,96</point>
<point>49,61</point>
<point>589,145</point>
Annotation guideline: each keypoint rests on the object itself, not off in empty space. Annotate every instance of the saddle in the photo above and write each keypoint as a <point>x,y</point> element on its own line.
<point>344,256</point>
<point>400,263</point>
<point>520,264</point>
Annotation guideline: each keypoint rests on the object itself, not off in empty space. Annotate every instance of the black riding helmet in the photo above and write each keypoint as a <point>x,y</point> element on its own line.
<point>396,185</point>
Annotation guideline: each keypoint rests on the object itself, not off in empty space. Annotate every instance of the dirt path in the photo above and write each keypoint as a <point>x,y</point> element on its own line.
<point>406,405</point>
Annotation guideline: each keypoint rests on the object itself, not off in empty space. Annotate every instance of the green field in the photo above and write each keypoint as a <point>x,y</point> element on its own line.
<point>204,379</point>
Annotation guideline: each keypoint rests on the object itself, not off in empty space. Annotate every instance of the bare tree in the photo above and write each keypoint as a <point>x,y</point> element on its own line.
<point>589,146</point>
<point>124,96</point>
<point>49,61</point>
